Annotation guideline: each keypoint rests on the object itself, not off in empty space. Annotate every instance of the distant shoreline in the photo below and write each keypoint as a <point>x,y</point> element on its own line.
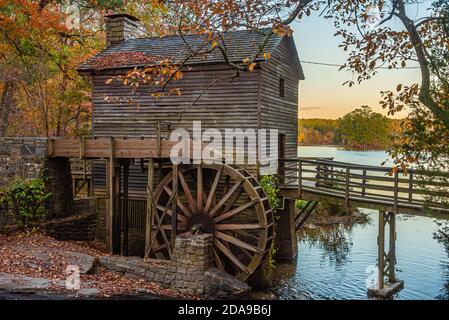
<point>340,147</point>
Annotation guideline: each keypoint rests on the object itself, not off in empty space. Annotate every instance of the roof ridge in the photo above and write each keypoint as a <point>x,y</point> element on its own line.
<point>199,34</point>
<point>240,45</point>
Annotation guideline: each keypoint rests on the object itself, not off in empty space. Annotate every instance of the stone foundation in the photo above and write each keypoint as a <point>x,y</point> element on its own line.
<point>190,271</point>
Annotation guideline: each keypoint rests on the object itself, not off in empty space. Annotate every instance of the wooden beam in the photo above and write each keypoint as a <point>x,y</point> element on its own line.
<point>174,207</point>
<point>347,188</point>
<point>125,207</point>
<point>381,250</point>
<point>109,202</point>
<point>82,148</point>
<point>158,139</point>
<point>300,178</point>
<point>392,248</point>
<point>117,212</point>
<point>150,206</point>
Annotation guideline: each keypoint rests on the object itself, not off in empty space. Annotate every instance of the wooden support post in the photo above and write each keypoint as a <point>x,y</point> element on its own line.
<point>347,188</point>
<point>74,186</point>
<point>332,176</point>
<point>150,208</point>
<point>125,207</point>
<point>300,178</point>
<point>82,148</point>
<point>381,250</point>
<point>410,187</point>
<point>364,182</point>
<point>158,139</point>
<point>386,261</point>
<point>175,205</point>
<point>90,186</point>
<point>110,202</point>
<point>392,248</point>
<point>396,191</point>
<point>50,147</point>
<point>118,212</point>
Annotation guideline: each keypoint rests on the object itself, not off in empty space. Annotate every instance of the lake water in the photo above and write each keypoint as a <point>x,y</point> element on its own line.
<point>345,269</point>
<point>374,158</point>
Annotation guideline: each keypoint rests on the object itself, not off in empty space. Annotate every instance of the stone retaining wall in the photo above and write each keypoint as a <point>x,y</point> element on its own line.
<point>79,227</point>
<point>26,158</point>
<point>189,271</point>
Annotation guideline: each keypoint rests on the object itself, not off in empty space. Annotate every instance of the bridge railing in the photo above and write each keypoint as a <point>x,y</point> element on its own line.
<point>372,183</point>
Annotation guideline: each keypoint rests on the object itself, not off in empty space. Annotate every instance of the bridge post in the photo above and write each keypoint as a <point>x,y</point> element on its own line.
<point>386,261</point>
<point>286,242</point>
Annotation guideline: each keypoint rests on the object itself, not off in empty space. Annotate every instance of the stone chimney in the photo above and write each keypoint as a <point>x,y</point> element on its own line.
<point>122,27</point>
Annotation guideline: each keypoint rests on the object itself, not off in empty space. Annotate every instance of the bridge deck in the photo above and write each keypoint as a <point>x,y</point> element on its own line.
<point>370,187</point>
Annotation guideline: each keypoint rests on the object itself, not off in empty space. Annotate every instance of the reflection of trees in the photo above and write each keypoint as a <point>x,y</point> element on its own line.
<point>442,236</point>
<point>331,239</point>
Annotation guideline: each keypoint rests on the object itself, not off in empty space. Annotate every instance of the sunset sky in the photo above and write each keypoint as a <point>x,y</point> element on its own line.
<point>322,94</point>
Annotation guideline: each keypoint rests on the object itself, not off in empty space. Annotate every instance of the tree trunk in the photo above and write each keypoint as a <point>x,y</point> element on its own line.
<point>6,105</point>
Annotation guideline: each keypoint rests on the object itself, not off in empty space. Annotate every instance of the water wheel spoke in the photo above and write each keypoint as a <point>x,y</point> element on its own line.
<point>187,192</point>
<point>218,260</point>
<point>181,227</point>
<point>200,189</point>
<point>246,234</point>
<point>159,220</point>
<point>179,202</point>
<point>238,226</point>
<point>225,185</point>
<point>169,212</point>
<point>220,246</point>
<point>213,189</point>
<point>225,198</point>
<point>246,253</point>
<point>233,200</point>
<point>236,241</point>
<point>159,248</point>
<point>235,211</point>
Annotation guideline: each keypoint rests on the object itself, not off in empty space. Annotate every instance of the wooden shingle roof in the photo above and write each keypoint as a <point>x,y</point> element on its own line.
<point>239,45</point>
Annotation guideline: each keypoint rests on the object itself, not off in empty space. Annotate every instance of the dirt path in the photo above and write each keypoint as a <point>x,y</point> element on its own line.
<point>33,262</point>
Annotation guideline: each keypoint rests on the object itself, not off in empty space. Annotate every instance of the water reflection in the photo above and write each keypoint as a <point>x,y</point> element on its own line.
<point>442,236</point>
<point>333,261</point>
<point>334,241</point>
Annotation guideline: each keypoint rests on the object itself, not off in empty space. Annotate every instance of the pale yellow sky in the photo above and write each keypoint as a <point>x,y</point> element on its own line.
<point>322,94</point>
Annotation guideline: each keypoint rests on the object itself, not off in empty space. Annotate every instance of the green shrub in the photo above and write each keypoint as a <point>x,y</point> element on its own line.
<point>27,200</point>
<point>299,204</point>
<point>268,183</point>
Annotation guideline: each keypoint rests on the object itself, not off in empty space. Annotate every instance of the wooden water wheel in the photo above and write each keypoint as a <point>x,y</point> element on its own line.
<point>220,199</point>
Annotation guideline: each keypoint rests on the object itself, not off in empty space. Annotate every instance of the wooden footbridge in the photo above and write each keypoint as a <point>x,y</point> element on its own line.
<point>228,202</point>
<point>364,186</point>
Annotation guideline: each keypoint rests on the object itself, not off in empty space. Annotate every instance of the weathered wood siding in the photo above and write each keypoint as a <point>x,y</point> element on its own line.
<point>277,112</point>
<point>228,103</point>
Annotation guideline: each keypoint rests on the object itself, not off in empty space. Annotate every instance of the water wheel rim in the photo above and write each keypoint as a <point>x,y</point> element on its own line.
<point>262,214</point>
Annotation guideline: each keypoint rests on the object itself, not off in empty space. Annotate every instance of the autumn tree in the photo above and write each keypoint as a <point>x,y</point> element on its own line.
<point>364,129</point>
<point>41,44</point>
<point>373,43</point>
